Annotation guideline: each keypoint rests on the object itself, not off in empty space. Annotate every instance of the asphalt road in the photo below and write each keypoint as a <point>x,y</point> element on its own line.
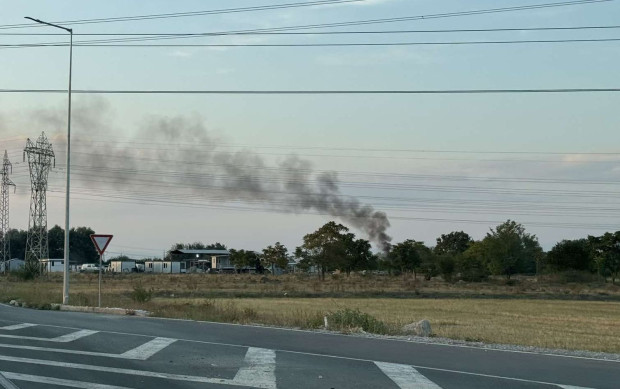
<point>51,349</point>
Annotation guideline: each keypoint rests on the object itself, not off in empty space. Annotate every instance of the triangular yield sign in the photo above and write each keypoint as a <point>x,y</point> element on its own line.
<point>101,241</point>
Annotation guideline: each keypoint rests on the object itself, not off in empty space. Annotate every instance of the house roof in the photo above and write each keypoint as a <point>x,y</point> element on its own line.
<point>205,251</point>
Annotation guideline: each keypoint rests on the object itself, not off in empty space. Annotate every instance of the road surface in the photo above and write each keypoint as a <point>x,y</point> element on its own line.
<point>52,349</point>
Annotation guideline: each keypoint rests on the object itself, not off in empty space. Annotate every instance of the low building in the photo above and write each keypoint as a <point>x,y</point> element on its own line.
<point>170,267</point>
<point>122,266</point>
<point>13,264</point>
<point>53,265</point>
<point>204,260</point>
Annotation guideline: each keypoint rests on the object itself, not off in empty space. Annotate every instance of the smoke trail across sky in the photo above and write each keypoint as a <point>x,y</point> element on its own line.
<point>179,152</point>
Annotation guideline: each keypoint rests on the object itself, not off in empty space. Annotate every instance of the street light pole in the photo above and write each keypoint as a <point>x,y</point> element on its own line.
<point>65,281</point>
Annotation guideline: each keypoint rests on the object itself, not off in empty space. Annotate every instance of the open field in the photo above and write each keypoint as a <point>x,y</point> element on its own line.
<point>530,312</point>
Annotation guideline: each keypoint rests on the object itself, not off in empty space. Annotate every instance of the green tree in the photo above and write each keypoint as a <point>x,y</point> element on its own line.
<point>81,248</point>
<point>358,254</point>
<point>607,254</point>
<point>406,256</point>
<point>472,265</point>
<point>446,266</point>
<point>571,255</point>
<point>17,243</point>
<point>245,258</point>
<point>276,255</point>
<point>453,243</point>
<point>510,250</point>
<point>325,248</point>
<point>56,242</point>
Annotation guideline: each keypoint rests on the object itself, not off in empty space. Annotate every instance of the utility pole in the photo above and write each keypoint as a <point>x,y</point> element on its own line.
<point>65,279</point>
<point>5,247</point>
<point>40,156</point>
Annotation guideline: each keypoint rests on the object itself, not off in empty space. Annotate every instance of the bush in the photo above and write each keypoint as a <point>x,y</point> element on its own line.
<point>30,271</point>
<point>472,268</point>
<point>347,319</point>
<point>447,266</point>
<point>141,294</point>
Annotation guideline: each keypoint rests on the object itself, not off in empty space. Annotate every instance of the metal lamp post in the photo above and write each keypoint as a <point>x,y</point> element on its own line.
<point>65,283</point>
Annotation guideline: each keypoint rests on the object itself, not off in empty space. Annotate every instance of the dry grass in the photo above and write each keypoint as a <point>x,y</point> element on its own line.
<point>526,317</point>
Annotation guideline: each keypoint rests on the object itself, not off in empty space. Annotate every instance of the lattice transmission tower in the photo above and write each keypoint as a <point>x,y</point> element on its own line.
<point>40,158</point>
<point>5,249</point>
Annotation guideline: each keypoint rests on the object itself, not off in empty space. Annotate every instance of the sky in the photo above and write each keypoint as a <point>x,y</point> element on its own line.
<point>250,170</point>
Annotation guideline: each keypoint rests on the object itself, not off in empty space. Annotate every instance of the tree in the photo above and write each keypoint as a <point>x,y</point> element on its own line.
<point>244,258</point>
<point>325,248</point>
<point>17,243</point>
<point>471,265</point>
<point>406,257</point>
<point>276,255</point>
<point>511,250</point>
<point>446,266</point>
<point>81,248</point>
<point>607,254</point>
<point>453,243</point>
<point>571,255</point>
<point>56,242</point>
<point>358,254</point>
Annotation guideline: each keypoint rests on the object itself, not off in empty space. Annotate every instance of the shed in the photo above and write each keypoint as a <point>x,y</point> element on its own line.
<point>164,267</point>
<point>13,264</point>
<point>122,266</point>
<point>53,265</point>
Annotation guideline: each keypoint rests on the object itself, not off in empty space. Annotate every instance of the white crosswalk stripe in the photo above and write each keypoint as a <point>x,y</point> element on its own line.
<point>59,339</point>
<point>58,381</point>
<point>117,370</point>
<point>148,349</point>
<point>17,326</point>
<point>259,370</point>
<point>5,383</point>
<point>405,376</point>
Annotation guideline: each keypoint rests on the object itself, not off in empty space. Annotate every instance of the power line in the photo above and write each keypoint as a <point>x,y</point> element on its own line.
<point>187,14</point>
<point>208,34</point>
<point>148,141</point>
<point>360,22</point>
<point>317,92</point>
<point>263,210</point>
<point>345,44</point>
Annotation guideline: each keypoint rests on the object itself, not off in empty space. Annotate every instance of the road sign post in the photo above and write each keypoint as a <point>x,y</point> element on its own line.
<point>101,242</point>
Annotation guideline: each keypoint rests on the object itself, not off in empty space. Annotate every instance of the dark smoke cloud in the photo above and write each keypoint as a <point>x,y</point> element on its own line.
<point>181,154</point>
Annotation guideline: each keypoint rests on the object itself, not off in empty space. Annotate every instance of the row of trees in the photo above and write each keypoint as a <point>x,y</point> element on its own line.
<point>506,250</point>
<point>81,249</point>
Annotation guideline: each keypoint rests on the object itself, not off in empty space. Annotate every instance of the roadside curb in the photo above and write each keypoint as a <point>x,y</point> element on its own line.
<point>110,311</point>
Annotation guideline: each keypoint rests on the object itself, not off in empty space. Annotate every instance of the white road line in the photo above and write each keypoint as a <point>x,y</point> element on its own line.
<point>73,336</point>
<point>405,376</point>
<point>259,369</point>
<point>59,381</point>
<point>148,349</point>
<point>5,383</point>
<point>116,370</point>
<point>18,326</point>
<point>67,351</point>
<point>572,387</point>
<point>59,339</point>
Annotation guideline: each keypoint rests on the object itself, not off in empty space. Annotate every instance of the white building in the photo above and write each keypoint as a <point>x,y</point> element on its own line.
<point>122,266</point>
<point>171,267</point>
<point>11,265</point>
<point>203,260</point>
<point>53,265</point>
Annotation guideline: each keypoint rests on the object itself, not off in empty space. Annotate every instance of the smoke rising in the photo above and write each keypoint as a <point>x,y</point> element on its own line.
<point>176,158</point>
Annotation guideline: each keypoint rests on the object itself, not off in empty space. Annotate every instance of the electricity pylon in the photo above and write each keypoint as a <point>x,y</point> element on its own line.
<point>40,156</point>
<point>5,249</point>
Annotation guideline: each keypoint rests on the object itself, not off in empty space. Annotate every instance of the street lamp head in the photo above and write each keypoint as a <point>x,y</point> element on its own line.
<point>33,19</point>
<point>69,30</point>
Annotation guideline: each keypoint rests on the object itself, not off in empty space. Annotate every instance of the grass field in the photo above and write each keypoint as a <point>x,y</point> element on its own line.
<point>531,312</point>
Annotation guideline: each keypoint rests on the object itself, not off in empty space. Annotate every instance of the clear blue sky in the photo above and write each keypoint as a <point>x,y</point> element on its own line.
<point>389,180</point>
